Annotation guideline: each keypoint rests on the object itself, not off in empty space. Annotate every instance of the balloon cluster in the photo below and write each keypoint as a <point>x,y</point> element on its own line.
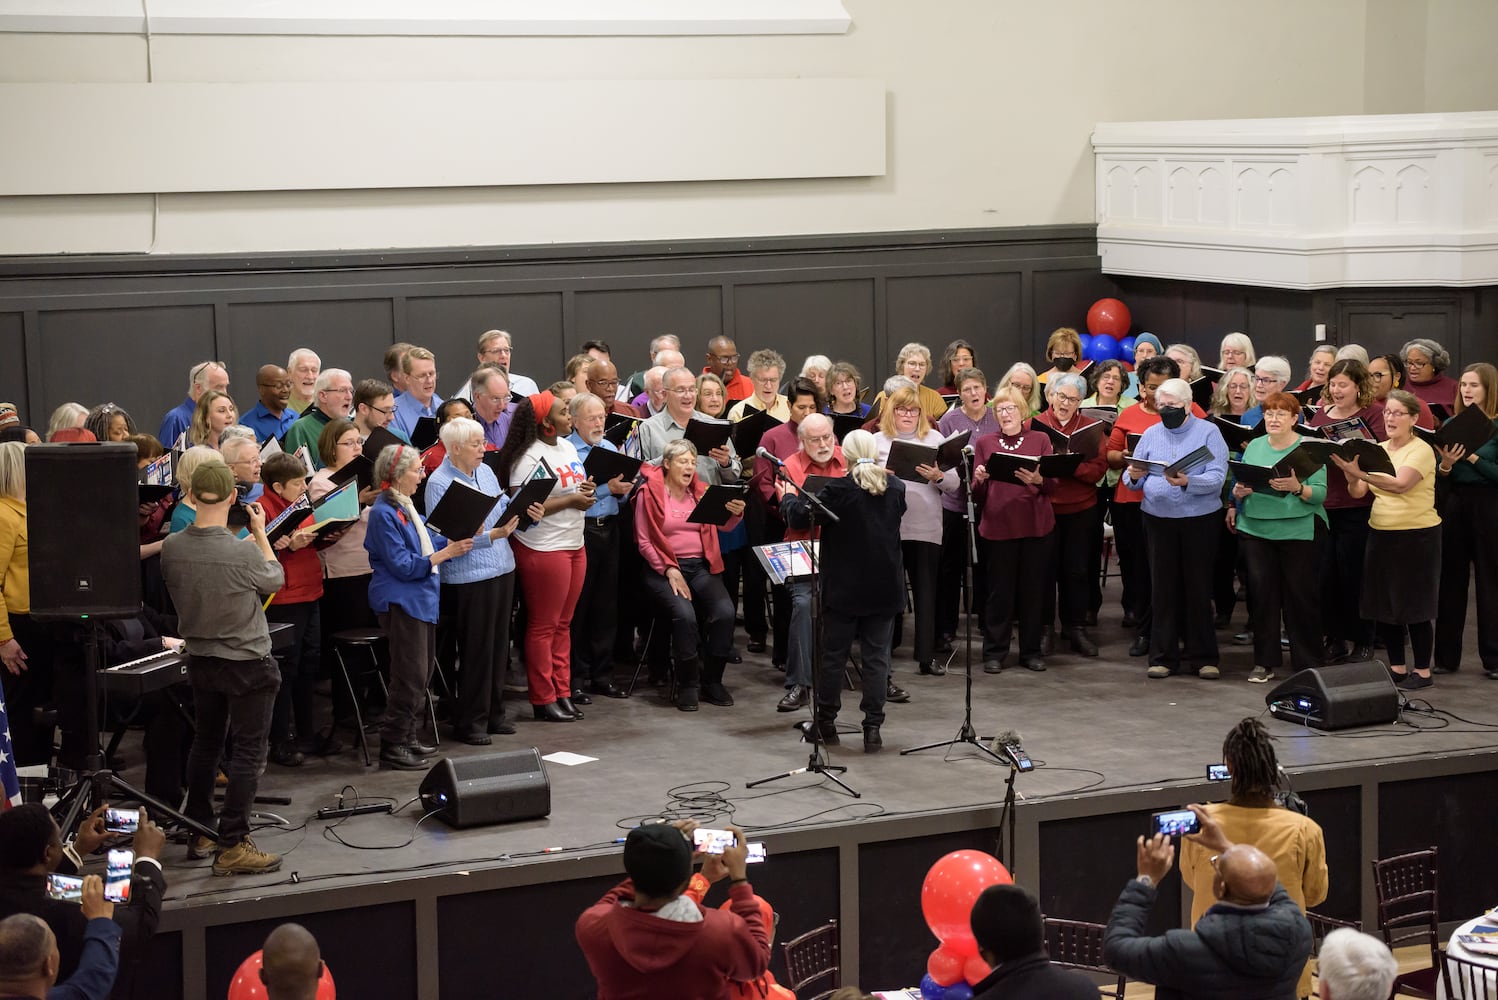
<point>951,888</point>
<point>1107,337</point>
<point>246,984</point>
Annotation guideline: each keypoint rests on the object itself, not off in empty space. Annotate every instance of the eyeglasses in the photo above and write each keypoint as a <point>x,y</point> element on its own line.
<point>345,389</point>
<point>283,384</point>
<point>908,411</point>
<point>821,438</point>
<point>1061,397</point>
<point>387,410</point>
<point>1006,408</point>
<point>1267,380</point>
<point>428,377</point>
<point>1412,363</point>
<point>1380,376</point>
<point>767,379</point>
<point>726,359</point>
<point>604,382</point>
<point>684,390</point>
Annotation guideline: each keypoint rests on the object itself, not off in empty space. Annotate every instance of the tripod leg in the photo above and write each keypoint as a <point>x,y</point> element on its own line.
<point>73,806</point>
<point>159,811</point>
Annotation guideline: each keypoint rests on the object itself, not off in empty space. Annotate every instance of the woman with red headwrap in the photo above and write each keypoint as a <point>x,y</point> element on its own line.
<point>549,554</point>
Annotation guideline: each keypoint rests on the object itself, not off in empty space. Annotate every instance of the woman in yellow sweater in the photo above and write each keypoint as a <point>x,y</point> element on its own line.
<point>25,647</point>
<point>1403,561</point>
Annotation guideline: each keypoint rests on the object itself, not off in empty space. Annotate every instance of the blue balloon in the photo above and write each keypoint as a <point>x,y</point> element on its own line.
<point>1126,345</point>
<point>958,991</point>
<point>1104,348</point>
<point>1086,343</point>
<point>931,989</point>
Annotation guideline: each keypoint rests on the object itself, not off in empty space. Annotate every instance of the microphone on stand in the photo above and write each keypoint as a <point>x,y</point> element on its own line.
<point>1010,746</point>
<point>762,453</point>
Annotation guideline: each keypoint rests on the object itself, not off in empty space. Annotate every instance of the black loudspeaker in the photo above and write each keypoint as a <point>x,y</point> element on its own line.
<point>83,530</point>
<point>492,788</point>
<point>1337,697</point>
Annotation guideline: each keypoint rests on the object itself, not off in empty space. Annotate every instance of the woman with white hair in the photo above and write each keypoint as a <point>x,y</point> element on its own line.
<point>405,558</point>
<point>70,415</point>
<point>477,589</point>
<point>914,363</point>
<point>1189,360</point>
<point>1022,376</point>
<point>1271,375</point>
<point>1319,367</point>
<point>816,368</point>
<point>1181,514</point>
<point>1352,965</point>
<point>1425,363</point>
<point>1236,351</point>
<point>863,582</point>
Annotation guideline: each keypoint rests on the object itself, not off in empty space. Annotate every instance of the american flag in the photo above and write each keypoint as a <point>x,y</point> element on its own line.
<point>10,781</point>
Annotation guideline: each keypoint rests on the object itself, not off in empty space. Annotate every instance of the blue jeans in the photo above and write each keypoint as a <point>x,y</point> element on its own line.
<point>799,644</point>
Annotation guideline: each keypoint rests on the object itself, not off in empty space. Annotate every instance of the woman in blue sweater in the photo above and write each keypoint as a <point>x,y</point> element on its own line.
<point>1181,513</point>
<point>403,593</point>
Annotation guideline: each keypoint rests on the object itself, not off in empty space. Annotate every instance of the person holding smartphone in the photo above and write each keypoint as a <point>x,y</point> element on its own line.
<point>30,962</point>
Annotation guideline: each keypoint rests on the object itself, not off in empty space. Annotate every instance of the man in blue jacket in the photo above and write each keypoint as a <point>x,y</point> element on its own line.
<point>1252,943</point>
<point>29,959</point>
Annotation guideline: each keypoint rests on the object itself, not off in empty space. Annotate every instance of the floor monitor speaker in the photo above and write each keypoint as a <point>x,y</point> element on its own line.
<point>491,788</point>
<point>83,530</point>
<point>1337,697</point>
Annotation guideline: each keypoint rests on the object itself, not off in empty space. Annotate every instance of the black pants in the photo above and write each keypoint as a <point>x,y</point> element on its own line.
<point>632,611</point>
<point>921,561</point>
<point>480,614</point>
<point>1225,571</point>
<point>1099,512</point>
<point>950,570</point>
<point>1342,576</point>
<point>1020,570</point>
<point>1282,575</point>
<point>1422,640</point>
<point>29,690</point>
<point>300,664</point>
<point>413,653</point>
<point>1180,561</point>
<point>873,633</point>
<point>231,698</point>
<point>709,603</point>
<point>595,619</point>
<point>1133,558</point>
<point>1469,545</point>
<point>1073,546</point>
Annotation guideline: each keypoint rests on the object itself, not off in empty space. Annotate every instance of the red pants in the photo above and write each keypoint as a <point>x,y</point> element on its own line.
<point>552,581</point>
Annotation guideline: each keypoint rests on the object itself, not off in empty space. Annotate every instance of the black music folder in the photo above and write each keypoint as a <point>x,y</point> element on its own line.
<point>359,467</point>
<point>1002,465</point>
<point>748,431</point>
<point>1371,457</point>
<point>1187,463</point>
<point>535,491</point>
<point>617,427</point>
<point>1201,392</point>
<point>1107,414</point>
<point>603,465</point>
<point>844,424</point>
<point>1085,440</point>
<point>379,439</point>
<point>1255,477</point>
<point>1234,433</point>
<point>461,511</point>
<point>713,507</point>
<point>424,432</point>
<point>707,433</point>
<point>1470,428</point>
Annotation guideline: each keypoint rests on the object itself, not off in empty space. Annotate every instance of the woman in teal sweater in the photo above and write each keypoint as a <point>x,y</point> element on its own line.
<point>1280,533</point>
<point>1469,532</point>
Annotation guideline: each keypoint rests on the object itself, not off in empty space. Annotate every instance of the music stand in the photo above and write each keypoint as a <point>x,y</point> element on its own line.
<point>816,762</point>
<point>966,734</point>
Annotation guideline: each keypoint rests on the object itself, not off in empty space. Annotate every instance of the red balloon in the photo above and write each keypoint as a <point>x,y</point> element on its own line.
<point>1109,316</point>
<point>246,984</point>
<point>951,887</point>
<point>975,970</point>
<point>945,966</point>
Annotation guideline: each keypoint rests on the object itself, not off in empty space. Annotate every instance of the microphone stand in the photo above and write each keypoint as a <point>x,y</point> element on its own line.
<point>817,762</point>
<point>966,734</point>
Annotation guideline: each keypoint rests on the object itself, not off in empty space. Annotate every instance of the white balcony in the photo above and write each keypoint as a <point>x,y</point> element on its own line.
<point>1377,200</point>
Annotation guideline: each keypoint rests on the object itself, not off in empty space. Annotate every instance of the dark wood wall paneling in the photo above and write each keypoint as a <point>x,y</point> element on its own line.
<point>140,324</point>
<point>1463,320</point>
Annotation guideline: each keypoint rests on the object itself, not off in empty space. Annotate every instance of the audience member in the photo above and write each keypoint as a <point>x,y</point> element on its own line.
<point>291,965</point>
<point>1352,965</point>
<point>1010,932</point>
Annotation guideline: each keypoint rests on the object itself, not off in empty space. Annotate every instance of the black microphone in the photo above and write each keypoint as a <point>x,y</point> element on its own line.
<point>762,453</point>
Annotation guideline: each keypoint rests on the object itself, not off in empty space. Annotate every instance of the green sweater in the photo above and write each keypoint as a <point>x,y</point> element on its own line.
<point>1280,518</point>
<point>1484,471</point>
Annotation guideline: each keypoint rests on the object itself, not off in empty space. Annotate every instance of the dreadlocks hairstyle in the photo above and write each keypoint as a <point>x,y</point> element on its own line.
<point>522,435</point>
<point>1250,758</point>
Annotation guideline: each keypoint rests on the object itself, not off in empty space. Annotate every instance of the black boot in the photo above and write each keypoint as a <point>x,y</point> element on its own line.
<point>713,691</point>
<point>872,741</point>
<point>1081,644</point>
<point>552,712</point>
<point>688,679</point>
<point>398,757</point>
<point>1048,640</point>
<point>565,704</point>
<point>826,728</point>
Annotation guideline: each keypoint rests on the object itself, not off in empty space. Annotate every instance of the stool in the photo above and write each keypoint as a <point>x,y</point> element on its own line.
<point>362,638</point>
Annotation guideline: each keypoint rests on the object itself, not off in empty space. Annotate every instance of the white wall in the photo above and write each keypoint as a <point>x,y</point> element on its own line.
<point>989,109</point>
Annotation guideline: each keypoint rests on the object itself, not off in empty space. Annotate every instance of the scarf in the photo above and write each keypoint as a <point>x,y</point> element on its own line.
<point>404,503</point>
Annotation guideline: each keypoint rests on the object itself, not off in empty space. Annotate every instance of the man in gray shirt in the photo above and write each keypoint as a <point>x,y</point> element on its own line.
<point>219,584</point>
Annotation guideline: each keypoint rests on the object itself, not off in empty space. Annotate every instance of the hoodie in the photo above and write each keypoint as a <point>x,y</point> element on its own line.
<point>1235,952</point>
<point>640,956</point>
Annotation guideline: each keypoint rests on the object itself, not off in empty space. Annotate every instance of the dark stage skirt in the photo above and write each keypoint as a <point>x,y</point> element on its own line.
<point>1402,576</point>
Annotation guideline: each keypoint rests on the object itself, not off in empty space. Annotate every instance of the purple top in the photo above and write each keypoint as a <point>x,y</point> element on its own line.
<point>951,422</point>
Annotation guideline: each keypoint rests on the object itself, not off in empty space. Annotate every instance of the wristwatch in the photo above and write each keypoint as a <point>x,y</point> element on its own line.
<point>1145,881</point>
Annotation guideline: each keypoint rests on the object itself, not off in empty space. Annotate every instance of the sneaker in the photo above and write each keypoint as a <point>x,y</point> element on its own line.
<point>1412,681</point>
<point>199,848</point>
<point>244,858</point>
<point>1158,671</point>
<point>1208,673</point>
<point>1259,675</point>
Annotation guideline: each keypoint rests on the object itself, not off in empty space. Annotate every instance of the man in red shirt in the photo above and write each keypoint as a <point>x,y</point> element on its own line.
<point>645,939</point>
<point>723,361</point>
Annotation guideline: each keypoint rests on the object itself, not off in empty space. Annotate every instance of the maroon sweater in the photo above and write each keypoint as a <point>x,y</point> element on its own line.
<point>640,956</point>
<point>1077,492</point>
<point>1013,510</point>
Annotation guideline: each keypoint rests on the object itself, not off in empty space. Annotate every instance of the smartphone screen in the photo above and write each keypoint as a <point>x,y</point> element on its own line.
<point>68,888</point>
<point>1218,772</point>
<point>1176,822</point>
<point>756,854</point>
<point>712,841</point>
<point>117,876</point>
<point>121,820</point>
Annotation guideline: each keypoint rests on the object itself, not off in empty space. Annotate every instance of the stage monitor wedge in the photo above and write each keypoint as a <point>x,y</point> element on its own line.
<point>492,788</point>
<point>83,526</point>
<point>1337,697</point>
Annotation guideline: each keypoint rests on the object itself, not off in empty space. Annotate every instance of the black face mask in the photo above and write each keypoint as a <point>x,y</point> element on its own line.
<point>1063,364</point>
<point>1172,416</point>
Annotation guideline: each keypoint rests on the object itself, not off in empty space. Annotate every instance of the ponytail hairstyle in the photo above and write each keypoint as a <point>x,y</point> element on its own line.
<point>1249,755</point>
<point>522,435</point>
<point>862,455</point>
